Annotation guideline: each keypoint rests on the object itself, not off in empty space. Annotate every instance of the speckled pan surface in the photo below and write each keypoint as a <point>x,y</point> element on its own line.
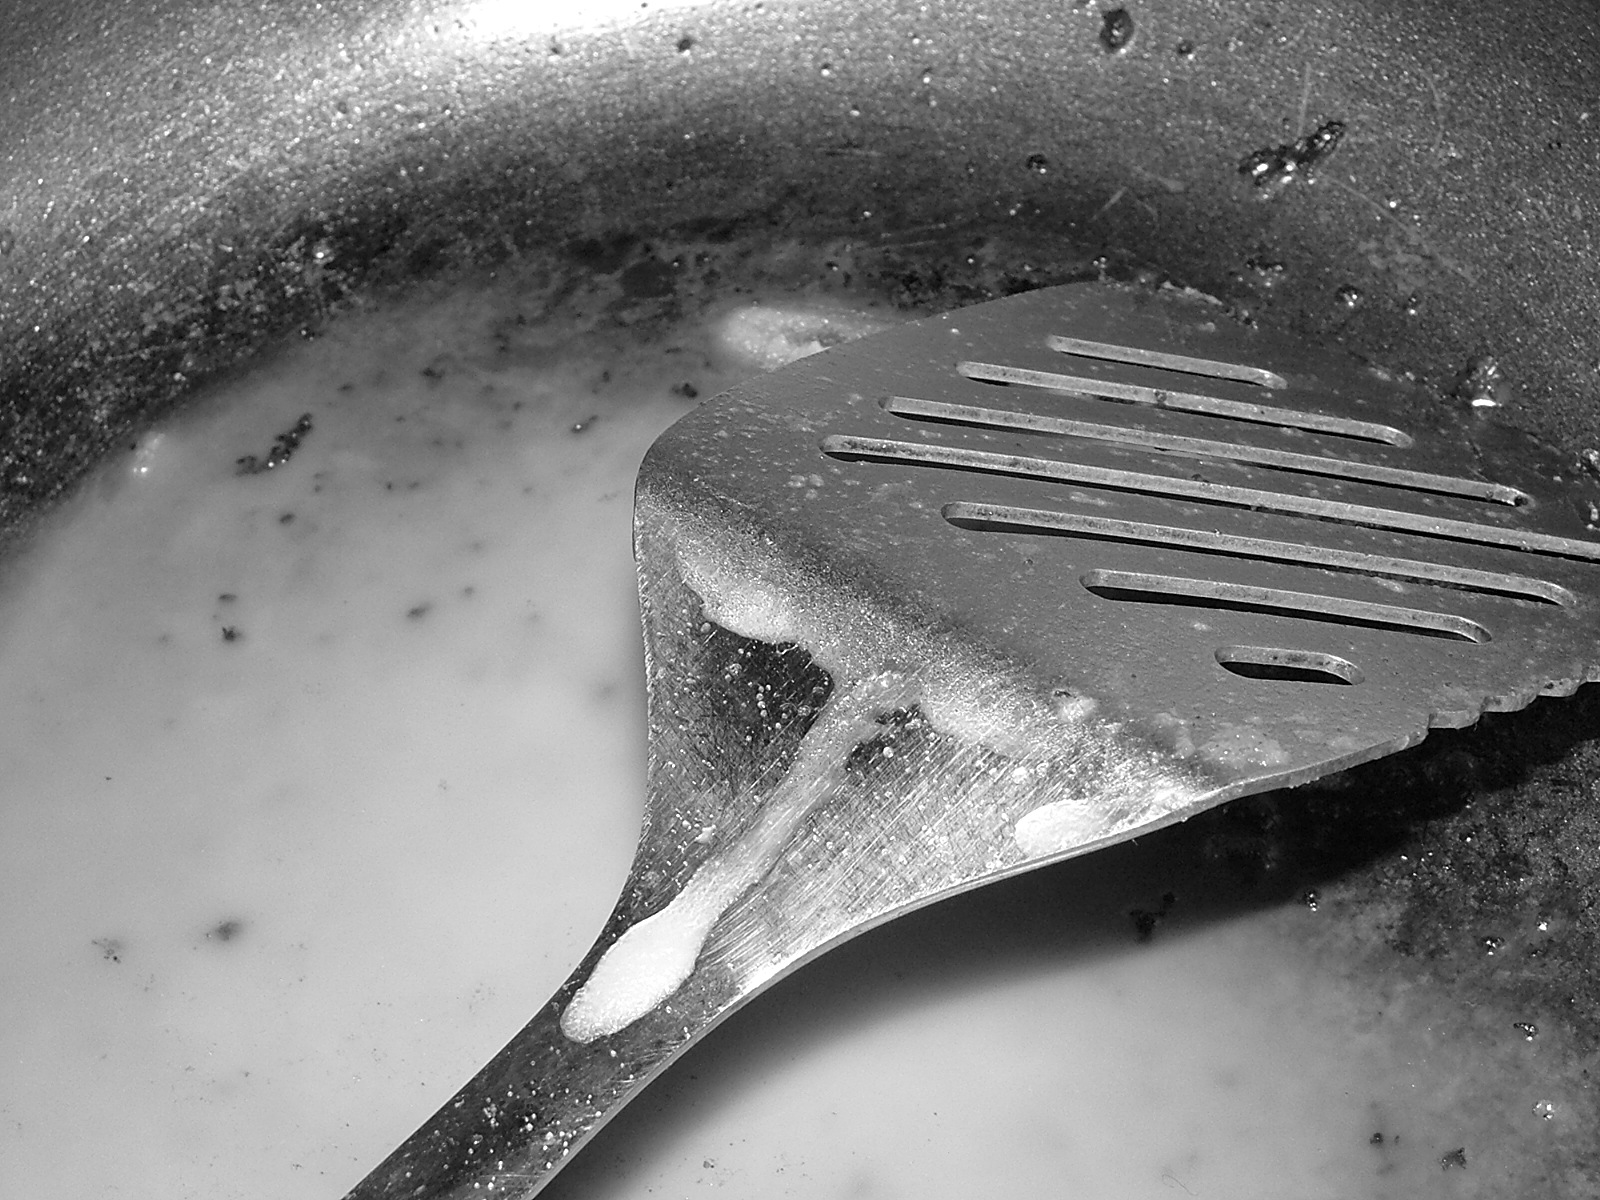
<point>183,181</point>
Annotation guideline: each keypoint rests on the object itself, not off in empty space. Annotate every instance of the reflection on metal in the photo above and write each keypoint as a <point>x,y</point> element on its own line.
<point>1183,364</point>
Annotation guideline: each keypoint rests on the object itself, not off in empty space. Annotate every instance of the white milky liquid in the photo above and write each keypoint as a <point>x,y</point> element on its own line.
<point>314,784</point>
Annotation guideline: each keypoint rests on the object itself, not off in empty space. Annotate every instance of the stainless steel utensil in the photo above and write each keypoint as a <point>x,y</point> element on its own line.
<point>998,588</point>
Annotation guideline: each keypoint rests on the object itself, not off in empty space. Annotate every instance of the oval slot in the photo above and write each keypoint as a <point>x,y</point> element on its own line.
<point>1306,606</point>
<point>958,458</point>
<point>1190,447</point>
<point>1184,363</point>
<point>1003,518</point>
<point>1291,666</point>
<point>1211,406</point>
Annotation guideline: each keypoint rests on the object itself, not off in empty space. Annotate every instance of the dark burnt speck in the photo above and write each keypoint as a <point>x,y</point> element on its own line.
<point>1145,920</point>
<point>283,448</point>
<point>225,931</point>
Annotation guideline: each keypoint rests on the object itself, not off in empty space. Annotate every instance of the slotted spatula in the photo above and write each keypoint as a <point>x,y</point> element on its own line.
<point>997,588</point>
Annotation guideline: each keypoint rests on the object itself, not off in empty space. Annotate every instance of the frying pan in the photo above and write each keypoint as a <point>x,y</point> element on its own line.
<point>182,185</point>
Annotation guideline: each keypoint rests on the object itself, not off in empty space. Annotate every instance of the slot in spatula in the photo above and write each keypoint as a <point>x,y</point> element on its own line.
<point>997,588</point>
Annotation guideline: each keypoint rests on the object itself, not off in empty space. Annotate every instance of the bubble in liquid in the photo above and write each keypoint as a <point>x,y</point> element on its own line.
<point>1184,48</point>
<point>1038,164</point>
<point>1544,1110</point>
<point>1492,943</point>
<point>8,241</point>
<point>1527,1029</point>
<point>1116,30</point>
<point>1349,296</point>
<point>825,70</point>
<point>685,44</point>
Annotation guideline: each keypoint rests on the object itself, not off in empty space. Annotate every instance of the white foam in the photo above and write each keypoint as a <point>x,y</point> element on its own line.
<point>654,956</point>
<point>771,335</point>
<point>642,968</point>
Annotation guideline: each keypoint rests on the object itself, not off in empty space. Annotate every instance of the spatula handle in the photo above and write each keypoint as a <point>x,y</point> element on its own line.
<point>520,1118</point>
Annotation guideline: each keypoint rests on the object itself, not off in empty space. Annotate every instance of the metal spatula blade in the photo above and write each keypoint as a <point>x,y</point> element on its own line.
<point>1169,513</point>
<point>997,588</point>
